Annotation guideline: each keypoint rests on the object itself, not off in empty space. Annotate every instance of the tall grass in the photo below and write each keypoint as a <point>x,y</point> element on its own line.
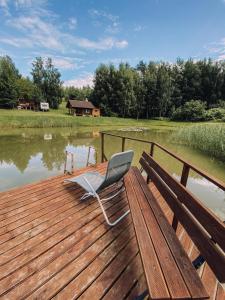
<point>61,118</point>
<point>209,138</point>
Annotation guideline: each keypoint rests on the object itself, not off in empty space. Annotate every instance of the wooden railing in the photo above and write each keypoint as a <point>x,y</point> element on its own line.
<point>152,145</point>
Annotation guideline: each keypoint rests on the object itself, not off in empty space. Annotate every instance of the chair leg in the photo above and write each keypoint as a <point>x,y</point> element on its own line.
<point>94,194</point>
<point>104,212</point>
<point>86,195</point>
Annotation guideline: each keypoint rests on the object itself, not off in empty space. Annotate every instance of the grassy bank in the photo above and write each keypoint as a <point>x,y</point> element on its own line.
<point>61,118</point>
<point>209,138</point>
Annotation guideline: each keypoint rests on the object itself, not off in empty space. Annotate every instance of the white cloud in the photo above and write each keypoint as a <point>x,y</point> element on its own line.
<point>38,32</point>
<point>17,42</point>
<point>121,44</point>
<point>102,44</point>
<point>4,6</point>
<point>64,63</point>
<point>4,3</point>
<point>24,3</point>
<point>81,81</point>
<point>113,28</point>
<point>221,57</point>
<point>217,49</point>
<point>100,16</point>
<point>103,14</point>
<point>72,23</point>
<point>138,28</point>
<point>41,33</point>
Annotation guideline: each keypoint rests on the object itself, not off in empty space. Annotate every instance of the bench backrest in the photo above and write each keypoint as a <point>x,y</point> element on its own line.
<point>203,227</point>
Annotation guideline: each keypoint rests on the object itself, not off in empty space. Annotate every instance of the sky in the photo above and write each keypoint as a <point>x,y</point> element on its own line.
<point>79,35</point>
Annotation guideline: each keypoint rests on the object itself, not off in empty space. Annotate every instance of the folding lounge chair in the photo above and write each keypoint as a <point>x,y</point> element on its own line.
<point>93,182</point>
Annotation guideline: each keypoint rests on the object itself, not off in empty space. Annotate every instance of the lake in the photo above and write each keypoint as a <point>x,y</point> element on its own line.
<point>28,155</point>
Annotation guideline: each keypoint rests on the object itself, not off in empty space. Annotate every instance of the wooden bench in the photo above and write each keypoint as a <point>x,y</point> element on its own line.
<point>168,270</point>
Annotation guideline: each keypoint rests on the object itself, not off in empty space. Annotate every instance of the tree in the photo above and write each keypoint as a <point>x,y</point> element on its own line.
<point>28,90</point>
<point>77,93</point>
<point>47,79</point>
<point>8,88</point>
<point>150,82</point>
<point>163,90</point>
<point>102,89</point>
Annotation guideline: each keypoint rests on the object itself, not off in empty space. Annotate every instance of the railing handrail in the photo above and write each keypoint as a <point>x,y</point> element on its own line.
<point>186,165</point>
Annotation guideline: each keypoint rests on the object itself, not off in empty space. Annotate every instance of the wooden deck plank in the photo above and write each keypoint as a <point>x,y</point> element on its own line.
<point>56,223</point>
<point>53,188</point>
<point>49,237</point>
<point>94,269</point>
<point>73,235</point>
<point>126,281</point>
<point>107,278</point>
<point>138,289</point>
<point>19,274</point>
<point>60,279</point>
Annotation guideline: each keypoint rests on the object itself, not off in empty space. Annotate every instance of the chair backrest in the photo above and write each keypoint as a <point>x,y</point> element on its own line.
<point>204,228</point>
<point>118,165</point>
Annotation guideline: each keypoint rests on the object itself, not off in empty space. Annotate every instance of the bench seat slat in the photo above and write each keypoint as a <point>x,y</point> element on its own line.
<point>175,282</point>
<point>189,274</point>
<point>154,277</point>
<point>209,250</point>
<point>210,221</point>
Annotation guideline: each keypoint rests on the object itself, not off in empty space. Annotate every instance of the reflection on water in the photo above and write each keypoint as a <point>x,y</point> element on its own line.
<point>28,155</point>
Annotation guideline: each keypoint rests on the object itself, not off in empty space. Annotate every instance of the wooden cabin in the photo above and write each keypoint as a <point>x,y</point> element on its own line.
<point>27,104</point>
<point>82,108</point>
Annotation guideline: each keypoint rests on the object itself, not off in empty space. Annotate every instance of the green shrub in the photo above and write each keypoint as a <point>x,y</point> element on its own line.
<point>194,110</point>
<point>215,114</point>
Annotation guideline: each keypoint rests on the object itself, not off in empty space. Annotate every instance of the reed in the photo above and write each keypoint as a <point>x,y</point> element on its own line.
<point>209,138</point>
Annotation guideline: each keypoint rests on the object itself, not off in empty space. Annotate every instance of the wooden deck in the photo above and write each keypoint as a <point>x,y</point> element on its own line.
<point>52,245</point>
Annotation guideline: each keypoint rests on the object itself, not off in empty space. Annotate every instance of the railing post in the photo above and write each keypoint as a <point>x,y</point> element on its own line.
<point>183,181</point>
<point>65,162</point>
<point>152,149</point>
<point>72,162</point>
<point>123,143</point>
<point>184,175</point>
<point>102,147</point>
<point>151,153</point>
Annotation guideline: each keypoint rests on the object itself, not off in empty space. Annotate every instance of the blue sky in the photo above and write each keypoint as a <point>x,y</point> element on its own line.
<point>80,34</point>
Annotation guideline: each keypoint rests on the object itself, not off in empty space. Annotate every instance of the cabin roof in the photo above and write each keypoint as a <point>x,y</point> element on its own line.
<point>81,104</point>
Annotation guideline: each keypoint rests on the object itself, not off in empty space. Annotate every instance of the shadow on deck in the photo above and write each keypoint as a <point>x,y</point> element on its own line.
<point>54,245</point>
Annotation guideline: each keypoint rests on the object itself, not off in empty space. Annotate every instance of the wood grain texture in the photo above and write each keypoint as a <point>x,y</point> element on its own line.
<point>49,238</point>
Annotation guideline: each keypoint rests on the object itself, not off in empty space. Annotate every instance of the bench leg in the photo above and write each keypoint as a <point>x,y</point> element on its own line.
<point>142,296</point>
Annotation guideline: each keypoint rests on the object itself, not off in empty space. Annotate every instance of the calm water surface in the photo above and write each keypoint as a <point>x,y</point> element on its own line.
<point>28,155</point>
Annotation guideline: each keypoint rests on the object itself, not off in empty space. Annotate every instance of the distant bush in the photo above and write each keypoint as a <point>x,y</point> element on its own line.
<point>7,103</point>
<point>215,114</point>
<point>194,110</point>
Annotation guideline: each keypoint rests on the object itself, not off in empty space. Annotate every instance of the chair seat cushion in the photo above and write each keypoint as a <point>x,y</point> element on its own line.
<point>94,178</point>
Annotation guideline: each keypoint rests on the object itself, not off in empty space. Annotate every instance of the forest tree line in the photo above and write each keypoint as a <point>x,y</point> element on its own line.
<point>45,84</point>
<point>159,89</point>
<point>182,90</point>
